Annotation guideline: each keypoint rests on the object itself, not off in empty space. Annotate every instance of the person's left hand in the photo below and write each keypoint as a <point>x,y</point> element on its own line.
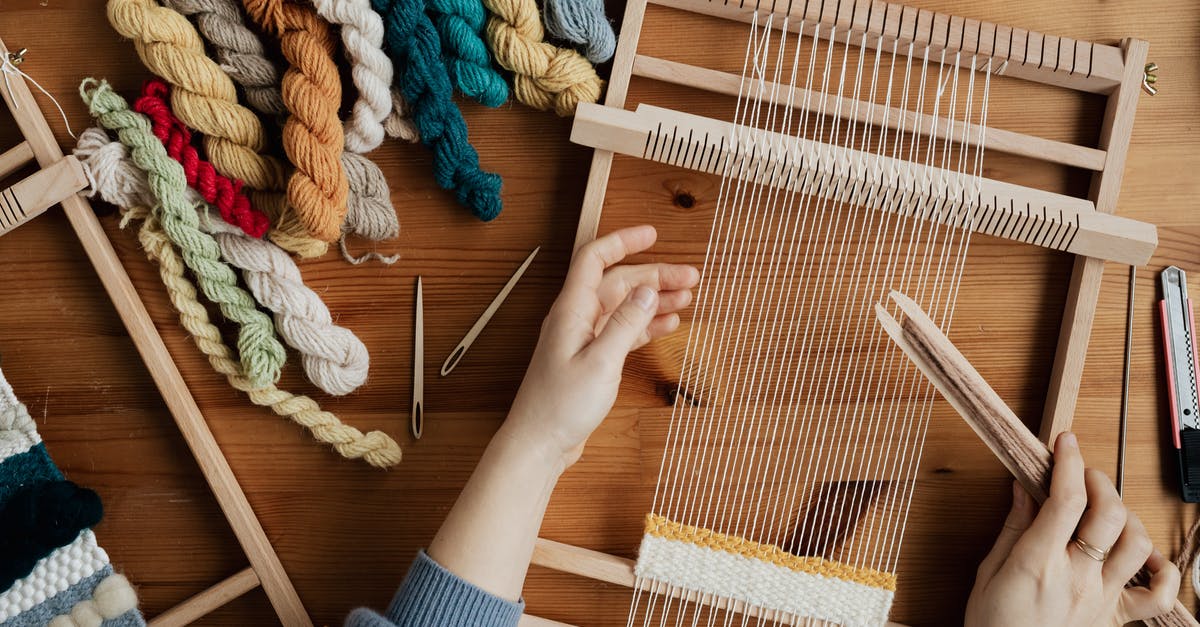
<point>603,312</point>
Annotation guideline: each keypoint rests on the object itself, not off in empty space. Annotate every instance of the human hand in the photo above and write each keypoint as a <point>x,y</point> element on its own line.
<point>603,312</point>
<point>1037,575</point>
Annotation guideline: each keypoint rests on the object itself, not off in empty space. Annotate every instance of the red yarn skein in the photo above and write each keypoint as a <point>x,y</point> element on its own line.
<point>226,194</point>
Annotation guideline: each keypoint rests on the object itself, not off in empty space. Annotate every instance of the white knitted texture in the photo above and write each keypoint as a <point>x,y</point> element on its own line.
<point>761,584</point>
<point>333,357</point>
<point>53,574</point>
<point>18,433</point>
<point>370,68</point>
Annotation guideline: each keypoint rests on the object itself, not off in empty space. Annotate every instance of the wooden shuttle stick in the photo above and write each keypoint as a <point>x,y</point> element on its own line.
<point>1018,449</point>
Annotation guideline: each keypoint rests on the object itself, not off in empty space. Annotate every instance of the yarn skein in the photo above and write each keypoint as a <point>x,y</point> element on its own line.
<point>369,213</point>
<point>371,69</point>
<point>460,25</point>
<point>374,447</point>
<point>227,195</point>
<point>545,76</point>
<point>413,43</point>
<point>582,22</point>
<point>334,359</point>
<point>261,354</point>
<point>312,136</point>
<point>237,49</point>
<point>205,98</point>
<point>38,518</point>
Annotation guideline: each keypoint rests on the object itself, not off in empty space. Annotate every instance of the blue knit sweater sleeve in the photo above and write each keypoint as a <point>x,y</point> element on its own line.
<point>432,596</point>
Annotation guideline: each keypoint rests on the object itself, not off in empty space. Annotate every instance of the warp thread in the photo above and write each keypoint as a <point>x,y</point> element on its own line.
<point>399,123</point>
<point>222,192</point>
<point>238,50</point>
<point>261,354</point>
<point>460,25</point>
<point>412,40</point>
<point>312,136</point>
<point>370,69</point>
<point>582,22</point>
<point>204,98</point>
<point>545,76</point>
<point>334,359</point>
<point>38,518</point>
<point>374,447</point>
<point>111,598</point>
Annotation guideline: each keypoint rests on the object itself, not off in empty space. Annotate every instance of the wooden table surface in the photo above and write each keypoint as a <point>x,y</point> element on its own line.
<point>346,532</point>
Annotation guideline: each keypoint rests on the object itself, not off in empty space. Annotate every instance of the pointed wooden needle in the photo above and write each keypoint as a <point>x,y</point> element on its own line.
<point>469,338</point>
<point>418,388</point>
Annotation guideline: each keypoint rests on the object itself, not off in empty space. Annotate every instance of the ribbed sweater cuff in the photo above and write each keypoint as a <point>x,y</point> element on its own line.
<point>432,595</point>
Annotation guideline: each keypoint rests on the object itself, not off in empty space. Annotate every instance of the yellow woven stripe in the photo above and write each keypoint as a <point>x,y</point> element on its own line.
<point>661,527</point>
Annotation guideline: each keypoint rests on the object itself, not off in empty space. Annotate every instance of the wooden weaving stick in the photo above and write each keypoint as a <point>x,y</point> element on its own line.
<point>64,177</point>
<point>1017,448</point>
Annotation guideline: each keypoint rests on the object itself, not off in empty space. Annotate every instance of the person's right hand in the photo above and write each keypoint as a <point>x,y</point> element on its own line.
<point>1037,575</point>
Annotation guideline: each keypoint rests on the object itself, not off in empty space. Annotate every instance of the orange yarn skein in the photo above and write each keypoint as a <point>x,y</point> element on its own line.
<point>313,135</point>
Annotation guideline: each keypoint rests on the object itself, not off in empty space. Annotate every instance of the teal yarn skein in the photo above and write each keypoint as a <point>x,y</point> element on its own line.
<point>416,50</point>
<point>460,26</point>
<point>261,354</point>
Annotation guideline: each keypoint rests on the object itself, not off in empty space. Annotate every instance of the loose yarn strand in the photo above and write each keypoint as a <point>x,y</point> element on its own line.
<point>460,25</point>
<point>226,194</point>
<point>371,69</point>
<point>238,50</point>
<point>412,41</point>
<point>582,22</point>
<point>204,98</point>
<point>545,77</point>
<point>335,360</point>
<point>261,354</point>
<point>312,136</point>
<point>375,447</point>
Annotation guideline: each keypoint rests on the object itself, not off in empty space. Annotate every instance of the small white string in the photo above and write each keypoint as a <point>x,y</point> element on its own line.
<point>8,68</point>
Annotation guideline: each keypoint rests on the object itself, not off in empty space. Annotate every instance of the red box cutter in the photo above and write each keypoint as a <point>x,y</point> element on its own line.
<point>1179,335</point>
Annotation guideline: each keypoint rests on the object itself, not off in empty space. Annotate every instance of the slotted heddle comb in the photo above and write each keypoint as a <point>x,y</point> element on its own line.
<point>766,159</point>
<point>58,180</point>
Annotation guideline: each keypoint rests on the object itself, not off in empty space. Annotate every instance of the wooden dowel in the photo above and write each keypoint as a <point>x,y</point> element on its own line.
<point>1017,448</point>
<point>15,158</point>
<point>161,367</point>
<point>1032,56</point>
<point>208,601</point>
<point>33,195</point>
<point>860,111</point>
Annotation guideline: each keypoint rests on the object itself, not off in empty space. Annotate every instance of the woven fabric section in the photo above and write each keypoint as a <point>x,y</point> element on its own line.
<point>63,568</point>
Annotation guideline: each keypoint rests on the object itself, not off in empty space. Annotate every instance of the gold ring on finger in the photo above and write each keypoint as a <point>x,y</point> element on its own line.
<point>1090,550</point>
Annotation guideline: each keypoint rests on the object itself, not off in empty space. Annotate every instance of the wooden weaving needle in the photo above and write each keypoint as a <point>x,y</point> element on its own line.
<point>418,391</point>
<point>468,339</point>
<point>1017,448</point>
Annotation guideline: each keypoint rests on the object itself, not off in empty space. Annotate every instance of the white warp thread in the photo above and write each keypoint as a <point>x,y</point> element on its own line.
<point>761,584</point>
<point>371,69</point>
<point>334,359</point>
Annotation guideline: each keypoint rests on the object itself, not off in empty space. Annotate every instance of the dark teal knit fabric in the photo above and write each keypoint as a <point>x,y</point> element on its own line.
<point>432,596</point>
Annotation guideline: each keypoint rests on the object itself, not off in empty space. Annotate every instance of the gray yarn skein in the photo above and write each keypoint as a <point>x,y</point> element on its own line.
<point>582,22</point>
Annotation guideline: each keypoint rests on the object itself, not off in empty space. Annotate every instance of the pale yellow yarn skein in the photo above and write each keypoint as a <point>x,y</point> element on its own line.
<point>203,97</point>
<point>375,447</point>
<point>545,76</point>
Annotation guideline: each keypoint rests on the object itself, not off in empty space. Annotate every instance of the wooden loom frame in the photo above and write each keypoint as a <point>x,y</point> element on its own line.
<point>1115,71</point>
<point>57,182</point>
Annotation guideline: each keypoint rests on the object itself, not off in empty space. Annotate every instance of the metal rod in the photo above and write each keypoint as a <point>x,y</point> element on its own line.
<point>1125,383</point>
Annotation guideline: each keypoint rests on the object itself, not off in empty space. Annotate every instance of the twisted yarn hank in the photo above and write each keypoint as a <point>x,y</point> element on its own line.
<point>398,123</point>
<point>369,213</point>
<point>460,25</point>
<point>582,22</point>
<point>261,354</point>
<point>416,51</point>
<point>238,50</point>
<point>312,136</point>
<point>227,195</point>
<point>371,69</point>
<point>334,359</point>
<point>374,447</point>
<point>544,76</point>
<point>205,98</point>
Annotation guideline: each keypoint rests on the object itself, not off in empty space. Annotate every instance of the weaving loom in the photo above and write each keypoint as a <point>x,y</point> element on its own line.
<point>853,163</point>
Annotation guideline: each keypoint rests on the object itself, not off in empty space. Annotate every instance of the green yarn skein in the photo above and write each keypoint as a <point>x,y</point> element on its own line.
<point>261,354</point>
<point>460,26</point>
